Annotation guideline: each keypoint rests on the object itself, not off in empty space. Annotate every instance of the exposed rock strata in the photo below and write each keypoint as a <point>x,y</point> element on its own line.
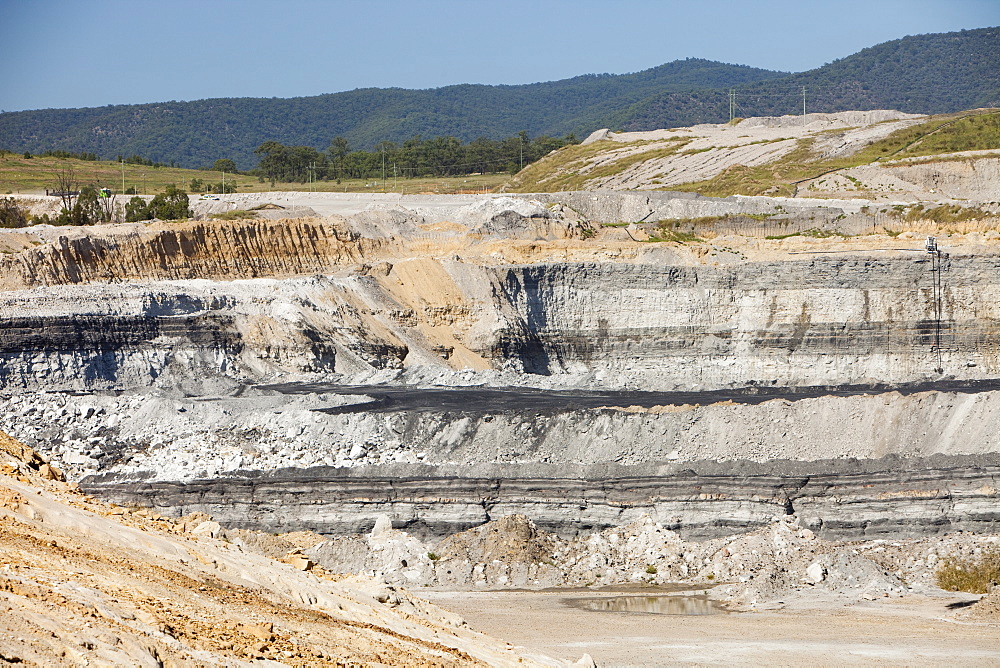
<point>190,250</point>
<point>510,292</point>
<point>837,500</point>
<point>822,320</point>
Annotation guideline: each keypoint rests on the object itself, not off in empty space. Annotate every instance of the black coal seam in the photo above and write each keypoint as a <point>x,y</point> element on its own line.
<point>481,400</point>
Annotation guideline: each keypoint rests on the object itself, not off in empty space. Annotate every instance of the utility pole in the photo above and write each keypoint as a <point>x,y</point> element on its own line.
<point>803,100</point>
<point>223,183</point>
<point>732,105</point>
<point>383,169</point>
<point>123,176</point>
<point>938,294</point>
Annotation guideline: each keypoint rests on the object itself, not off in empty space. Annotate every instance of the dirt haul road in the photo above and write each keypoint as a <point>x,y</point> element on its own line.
<point>917,631</point>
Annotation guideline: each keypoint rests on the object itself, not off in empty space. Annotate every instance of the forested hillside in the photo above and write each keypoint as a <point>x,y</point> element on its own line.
<point>926,73</point>
<point>193,134</point>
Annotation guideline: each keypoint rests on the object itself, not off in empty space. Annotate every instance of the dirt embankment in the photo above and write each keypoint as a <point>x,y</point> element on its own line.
<point>246,301</point>
<point>658,159</point>
<point>851,155</point>
<point>83,581</point>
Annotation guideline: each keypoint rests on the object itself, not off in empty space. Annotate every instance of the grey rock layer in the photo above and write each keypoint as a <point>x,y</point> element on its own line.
<point>896,497</point>
<point>811,322</point>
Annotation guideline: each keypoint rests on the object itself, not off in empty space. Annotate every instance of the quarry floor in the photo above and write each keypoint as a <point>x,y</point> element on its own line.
<point>912,631</point>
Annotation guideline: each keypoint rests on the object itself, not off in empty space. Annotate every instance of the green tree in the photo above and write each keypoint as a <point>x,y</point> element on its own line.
<point>85,211</point>
<point>196,186</point>
<point>172,204</point>
<point>11,215</point>
<point>339,150</point>
<point>289,163</point>
<point>224,165</point>
<point>88,209</point>
<point>136,210</point>
<point>222,188</point>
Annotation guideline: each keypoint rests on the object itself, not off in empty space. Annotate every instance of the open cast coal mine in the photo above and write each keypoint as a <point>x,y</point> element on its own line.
<point>448,361</point>
<point>458,378</point>
<point>490,395</point>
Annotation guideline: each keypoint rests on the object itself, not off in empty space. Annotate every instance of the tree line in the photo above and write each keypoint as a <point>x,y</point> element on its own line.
<point>415,157</point>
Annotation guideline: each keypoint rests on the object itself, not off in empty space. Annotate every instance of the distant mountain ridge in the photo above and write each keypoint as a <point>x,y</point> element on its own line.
<point>923,74</point>
<point>926,74</point>
<point>196,133</point>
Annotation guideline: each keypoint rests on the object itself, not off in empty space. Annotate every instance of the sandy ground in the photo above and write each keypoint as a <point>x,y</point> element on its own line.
<point>914,631</point>
<point>85,583</point>
<point>337,204</point>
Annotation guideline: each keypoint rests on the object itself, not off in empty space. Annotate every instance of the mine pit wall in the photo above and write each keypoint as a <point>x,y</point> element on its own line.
<point>127,312</point>
<point>886,465</point>
<point>897,498</point>
<point>86,351</point>
<point>186,439</point>
<point>812,322</point>
<point>193,250</point>
<point>825,320</point>
<point>136,335</point>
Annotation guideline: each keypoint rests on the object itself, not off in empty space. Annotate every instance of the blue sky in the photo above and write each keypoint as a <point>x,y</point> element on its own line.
<point>83,53</point>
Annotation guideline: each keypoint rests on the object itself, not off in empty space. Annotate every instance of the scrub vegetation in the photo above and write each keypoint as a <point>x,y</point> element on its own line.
<point>974,575</point>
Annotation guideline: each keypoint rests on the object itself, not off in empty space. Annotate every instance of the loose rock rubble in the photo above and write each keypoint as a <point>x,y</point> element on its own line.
<point>756,570</point>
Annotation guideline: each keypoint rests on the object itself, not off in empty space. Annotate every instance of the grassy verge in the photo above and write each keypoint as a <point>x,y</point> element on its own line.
<point>34,175</point>
<point>947,158</point>
<point>235,214</point>
<point>939,214</point>
<point>814,233</point>
<point>668,230</point>
<point>975,132</point>
<point>676,236</point>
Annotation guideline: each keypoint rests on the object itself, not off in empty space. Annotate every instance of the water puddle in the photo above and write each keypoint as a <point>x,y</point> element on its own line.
<point>656,605</point>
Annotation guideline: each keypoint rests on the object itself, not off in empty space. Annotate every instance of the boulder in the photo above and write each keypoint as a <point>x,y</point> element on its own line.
<point>210,528</point>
